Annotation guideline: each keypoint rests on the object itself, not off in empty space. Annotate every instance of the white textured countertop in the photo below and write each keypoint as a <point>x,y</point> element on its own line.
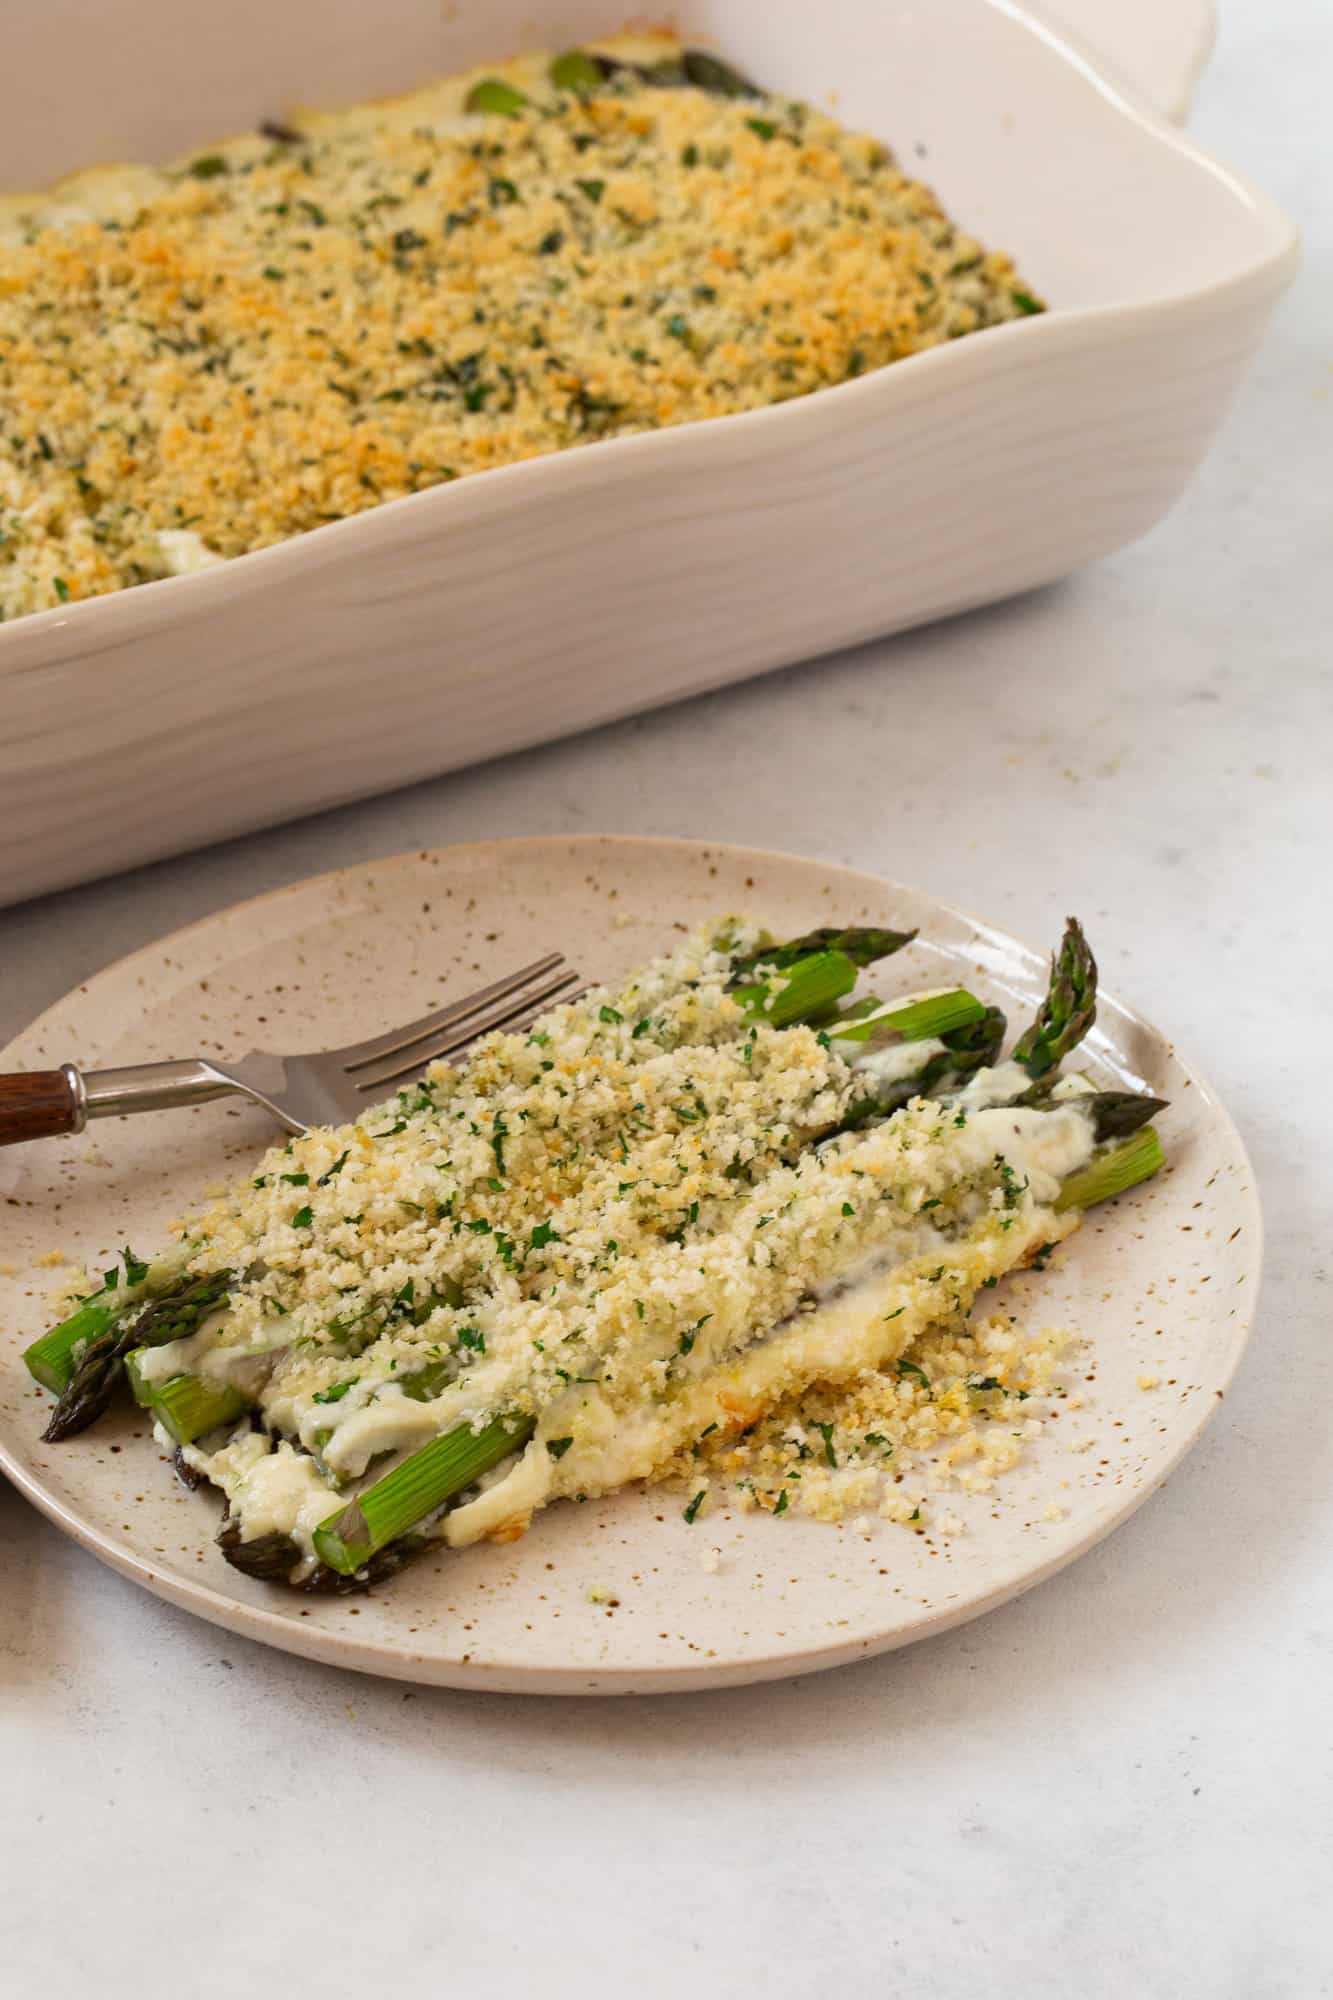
<point>1119,1785</point>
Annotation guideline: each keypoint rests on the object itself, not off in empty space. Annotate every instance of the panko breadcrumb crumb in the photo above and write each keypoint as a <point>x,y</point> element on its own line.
<point>955,1412</point>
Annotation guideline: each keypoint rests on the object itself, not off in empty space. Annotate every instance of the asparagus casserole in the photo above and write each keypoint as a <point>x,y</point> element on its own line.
<point>202,359</point>
<point>646,1228</point>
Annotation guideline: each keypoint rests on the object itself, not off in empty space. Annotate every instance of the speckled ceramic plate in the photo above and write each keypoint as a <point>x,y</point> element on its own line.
<point>1161,1283</point>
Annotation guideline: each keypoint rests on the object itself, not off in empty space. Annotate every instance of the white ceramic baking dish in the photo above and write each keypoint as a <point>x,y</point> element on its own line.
<point>537,599</point>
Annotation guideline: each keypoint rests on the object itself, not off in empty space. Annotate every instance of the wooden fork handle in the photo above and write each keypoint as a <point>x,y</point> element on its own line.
<point>40,1104</point>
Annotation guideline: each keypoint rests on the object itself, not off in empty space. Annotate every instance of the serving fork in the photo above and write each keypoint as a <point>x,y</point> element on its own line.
<point>327,1087</point>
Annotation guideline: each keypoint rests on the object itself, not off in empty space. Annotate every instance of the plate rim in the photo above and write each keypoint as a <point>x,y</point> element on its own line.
<point>338,1649</point>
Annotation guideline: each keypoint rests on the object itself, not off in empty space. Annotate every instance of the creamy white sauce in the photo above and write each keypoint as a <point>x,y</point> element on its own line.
<point>389,1422</point>
<point>892,1063</point>
<point>206,1353</point>
<point>988,1087</point>
<point>506,1503</point>
<point>1042,1146</point>
<point>270,1492</point>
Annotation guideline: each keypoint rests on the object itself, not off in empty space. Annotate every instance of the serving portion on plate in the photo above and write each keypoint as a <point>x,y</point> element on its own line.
<point>390,620</point>
<point>690,1229</point>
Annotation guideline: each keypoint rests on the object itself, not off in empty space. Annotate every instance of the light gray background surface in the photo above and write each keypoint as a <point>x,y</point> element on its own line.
<point>1118,1786</point>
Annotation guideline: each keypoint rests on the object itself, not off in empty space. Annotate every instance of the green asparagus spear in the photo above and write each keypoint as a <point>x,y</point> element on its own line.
<point>583,70</point>
<point>806,990</point>
<point>1112,1170</point>
<point>914,1021</point>
<point>268,1558</point>
<point>101,1364</point>
<point>709,72</point>
<point>438,1472</point>
<point>966,1050</point>
<point>272,1559</point>
<point>495,98</point>
<point>1115,1114</point>
<point>186,1406</point>
<point>1067,1012</point>
<point>862,946</point>
<point>577,72</point>
<point>51,1359</point>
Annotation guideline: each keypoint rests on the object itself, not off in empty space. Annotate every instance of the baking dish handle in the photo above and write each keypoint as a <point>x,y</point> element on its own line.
<point>1152,50</point>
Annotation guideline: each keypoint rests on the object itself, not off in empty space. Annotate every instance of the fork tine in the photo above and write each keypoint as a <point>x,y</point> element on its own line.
<point>357,1054</point>
<point>511,1012</point>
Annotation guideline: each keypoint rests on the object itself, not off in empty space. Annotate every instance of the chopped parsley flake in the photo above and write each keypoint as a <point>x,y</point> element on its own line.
<point>336,1393</point>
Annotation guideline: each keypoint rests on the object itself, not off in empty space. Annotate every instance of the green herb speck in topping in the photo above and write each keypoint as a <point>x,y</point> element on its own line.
<point>593,189</point>
<point>558,1446</point>
<point>303,1218</point>
<point>610,1016</point>
<point>135,1268</point>
<point>781,1507</point>
<point>1026,303</point>
<point>910,1368</point>
<point>826,1432</point>
<point>208,166</point>
<point>688,1338</point>
<point>472,1337</point>
<point>542,1235</point>
<point>336,1393</point>
<point>695,1504</point>
<point>763,128</point>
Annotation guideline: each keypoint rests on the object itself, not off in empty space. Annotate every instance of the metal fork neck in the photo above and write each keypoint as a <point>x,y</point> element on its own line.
<point>112,1093</point>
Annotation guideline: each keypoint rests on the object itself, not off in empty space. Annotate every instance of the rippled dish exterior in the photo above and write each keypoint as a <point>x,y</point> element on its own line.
<point>545,596</point>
